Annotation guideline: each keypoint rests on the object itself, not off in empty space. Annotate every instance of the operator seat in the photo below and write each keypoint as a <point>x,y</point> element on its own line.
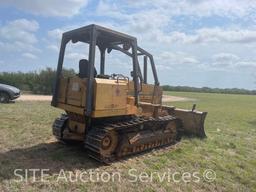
<point>84,69</point>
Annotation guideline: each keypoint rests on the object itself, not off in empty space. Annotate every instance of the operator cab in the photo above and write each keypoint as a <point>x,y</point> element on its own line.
<point>88,88</point>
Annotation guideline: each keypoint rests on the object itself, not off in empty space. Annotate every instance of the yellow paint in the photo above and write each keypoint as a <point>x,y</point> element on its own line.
<point>76,126</point>
<point>71,108</point>
<point>76,91</point>
<point>149,93</point>
<point>111,97</point>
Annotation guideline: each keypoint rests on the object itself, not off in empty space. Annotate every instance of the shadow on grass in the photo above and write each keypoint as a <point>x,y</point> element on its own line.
<point>9,102</point>
<point>53,156</point>
<point>252,122</point>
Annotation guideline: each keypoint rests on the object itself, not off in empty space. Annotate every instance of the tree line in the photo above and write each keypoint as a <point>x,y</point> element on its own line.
<point>35,82</point>
<point>209,90</point>
<point>42,83</point>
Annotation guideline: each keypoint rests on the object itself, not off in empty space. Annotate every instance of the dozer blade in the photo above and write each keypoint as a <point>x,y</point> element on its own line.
<point>192,120</point>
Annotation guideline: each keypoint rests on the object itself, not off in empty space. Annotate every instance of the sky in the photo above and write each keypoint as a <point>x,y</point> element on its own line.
<point>194,42</point>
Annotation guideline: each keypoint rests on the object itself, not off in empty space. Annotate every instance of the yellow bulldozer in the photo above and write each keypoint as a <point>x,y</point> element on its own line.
<point>114,115</point>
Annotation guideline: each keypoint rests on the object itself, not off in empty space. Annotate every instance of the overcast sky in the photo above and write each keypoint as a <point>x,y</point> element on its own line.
<point>194,42</point>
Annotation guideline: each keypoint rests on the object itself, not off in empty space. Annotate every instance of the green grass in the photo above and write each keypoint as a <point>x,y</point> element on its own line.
<point>26,142</point>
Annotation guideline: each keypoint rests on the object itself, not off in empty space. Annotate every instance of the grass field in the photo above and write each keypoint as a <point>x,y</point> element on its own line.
<point>26,142</point>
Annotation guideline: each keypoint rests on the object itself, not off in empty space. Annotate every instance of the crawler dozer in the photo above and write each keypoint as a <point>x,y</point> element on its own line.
<point>114,115</point>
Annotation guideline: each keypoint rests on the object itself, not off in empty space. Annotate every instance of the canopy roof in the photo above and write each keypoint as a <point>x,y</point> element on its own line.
<point>105,36</point>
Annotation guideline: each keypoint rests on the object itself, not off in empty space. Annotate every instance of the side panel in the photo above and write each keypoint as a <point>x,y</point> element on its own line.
<point>149,94</point>
<point>76,92</point>
<point>62,90</point>
<point>111,98</point>
<point>72,94</point>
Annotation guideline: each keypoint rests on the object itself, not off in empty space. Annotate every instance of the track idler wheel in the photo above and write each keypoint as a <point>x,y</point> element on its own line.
<point>109,143</point>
